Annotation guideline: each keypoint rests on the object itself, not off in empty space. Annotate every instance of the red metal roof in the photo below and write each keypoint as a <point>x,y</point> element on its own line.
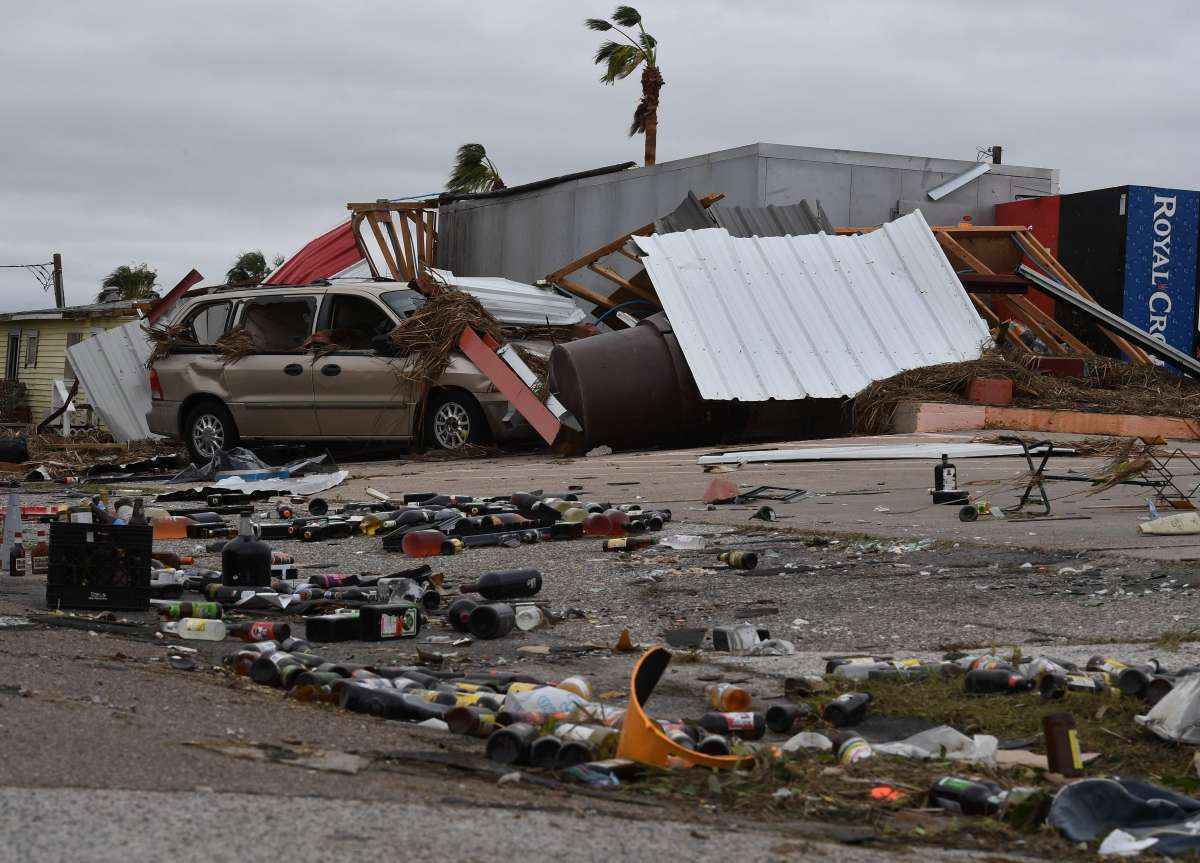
<point>325,256</point>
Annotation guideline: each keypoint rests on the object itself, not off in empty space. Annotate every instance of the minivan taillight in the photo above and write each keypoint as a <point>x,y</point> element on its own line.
<point>156,393</point>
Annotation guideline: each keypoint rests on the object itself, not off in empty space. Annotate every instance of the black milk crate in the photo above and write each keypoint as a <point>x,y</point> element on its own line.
<point>99,566</point>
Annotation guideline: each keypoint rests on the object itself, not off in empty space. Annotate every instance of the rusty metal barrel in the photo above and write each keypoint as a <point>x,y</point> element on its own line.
<point>629,387</point>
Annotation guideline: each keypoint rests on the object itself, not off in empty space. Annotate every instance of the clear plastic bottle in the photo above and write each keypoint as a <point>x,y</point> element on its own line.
<point>196,628</point>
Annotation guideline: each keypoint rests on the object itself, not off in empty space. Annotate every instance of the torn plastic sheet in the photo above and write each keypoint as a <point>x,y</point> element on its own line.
<point>1127,813</point>
<point>1177,716</point>
<point>249,466</point>
<point>311,484</point>
<point>943,742</point>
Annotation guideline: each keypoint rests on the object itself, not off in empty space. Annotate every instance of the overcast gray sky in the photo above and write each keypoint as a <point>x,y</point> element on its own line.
<point>181,133</point>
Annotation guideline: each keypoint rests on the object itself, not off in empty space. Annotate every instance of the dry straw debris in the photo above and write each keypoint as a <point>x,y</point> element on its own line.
<point>430,334</point>
<point>1107,386</point>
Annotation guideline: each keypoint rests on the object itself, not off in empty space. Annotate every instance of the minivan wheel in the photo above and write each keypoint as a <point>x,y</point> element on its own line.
<point>454,420</point>
<point>208,428</point>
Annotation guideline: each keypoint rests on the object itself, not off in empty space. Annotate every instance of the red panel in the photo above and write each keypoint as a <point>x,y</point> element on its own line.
<point>1041,214</point>
<point>325,256</point>
<point>172,296</point>
<point>483,354</point>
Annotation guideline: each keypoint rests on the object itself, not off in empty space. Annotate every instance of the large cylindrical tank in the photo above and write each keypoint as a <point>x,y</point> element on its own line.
<point>629,387</point>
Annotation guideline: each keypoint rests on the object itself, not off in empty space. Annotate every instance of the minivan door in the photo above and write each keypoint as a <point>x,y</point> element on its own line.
<point>359,390</point>
<point>271,390</point>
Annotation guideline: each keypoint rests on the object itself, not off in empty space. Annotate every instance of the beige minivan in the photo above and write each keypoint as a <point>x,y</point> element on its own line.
<point>282,393</point>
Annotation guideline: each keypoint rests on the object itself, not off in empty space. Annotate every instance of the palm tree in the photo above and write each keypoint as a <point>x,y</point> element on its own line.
<point>251,268</point>
<point>473,171</point>
<point>620,61</point>
<point>128,282</point>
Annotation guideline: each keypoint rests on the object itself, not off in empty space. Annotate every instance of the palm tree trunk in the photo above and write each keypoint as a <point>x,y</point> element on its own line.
<point>652,83</point>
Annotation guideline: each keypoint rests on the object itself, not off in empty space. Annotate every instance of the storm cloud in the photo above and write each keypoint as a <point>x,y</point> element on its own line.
<point>182,133</point>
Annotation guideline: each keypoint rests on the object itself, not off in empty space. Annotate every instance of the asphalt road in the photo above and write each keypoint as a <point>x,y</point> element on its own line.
<point>101,757</point>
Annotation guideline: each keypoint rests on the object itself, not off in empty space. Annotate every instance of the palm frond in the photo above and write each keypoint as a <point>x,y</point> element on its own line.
<point>597,24</point>
<point>649,43</point>
<point>472,171</point>
<point>627,16</point>
<point>619,61</point>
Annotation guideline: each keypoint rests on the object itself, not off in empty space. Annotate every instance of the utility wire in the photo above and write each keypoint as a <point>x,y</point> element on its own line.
<point>44,273</point>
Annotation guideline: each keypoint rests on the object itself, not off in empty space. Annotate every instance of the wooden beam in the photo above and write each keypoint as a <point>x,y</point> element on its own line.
<point>584,293</point>
<point>1043,256</point>
<point>430,237</point>
<point>406,239</point>
<point>593,256</point>
<point>1033,313</point>
<point>392,206</point>
<point>993,283</point>
<point>418,238</point>
<point>955,248</point>
<point>391,232</point>
<point>624,251</point>
<point>978,229</point>
<point>355,224</point>
<point>373,221</point>
<point>1042,332</point>
<point>622,282</point>
<point>983,310</point>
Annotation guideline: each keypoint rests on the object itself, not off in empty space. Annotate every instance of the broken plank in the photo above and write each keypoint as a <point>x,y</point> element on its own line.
<point>373,221</point>
<point>1028,242</point>
<point>584,293</point>
<point>621,281</point>
<point>956,249</point>
<point>1044,333</point>
<point>591,257</point>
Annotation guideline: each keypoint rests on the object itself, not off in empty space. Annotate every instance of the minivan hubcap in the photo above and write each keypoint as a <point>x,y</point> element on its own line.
<point>208,435</point>
<point>451,425</point>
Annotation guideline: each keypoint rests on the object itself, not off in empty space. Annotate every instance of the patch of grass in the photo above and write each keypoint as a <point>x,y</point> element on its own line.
<point>819,789</point>
<point>1173,639</point>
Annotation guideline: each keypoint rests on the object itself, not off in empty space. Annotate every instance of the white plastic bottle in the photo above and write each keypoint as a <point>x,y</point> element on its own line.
<point>196,628</point>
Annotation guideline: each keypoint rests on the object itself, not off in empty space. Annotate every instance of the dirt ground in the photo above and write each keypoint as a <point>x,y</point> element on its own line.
<point>862,564</point>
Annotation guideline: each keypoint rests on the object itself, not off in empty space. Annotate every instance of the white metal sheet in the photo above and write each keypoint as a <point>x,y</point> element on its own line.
<point>873,452</point>
<point>111,368</point>
<point>818,316</point>
<point>509,302</point>
<point>955,183</point>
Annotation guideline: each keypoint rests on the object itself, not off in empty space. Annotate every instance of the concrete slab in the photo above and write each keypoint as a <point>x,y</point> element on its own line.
<point>921,417</point>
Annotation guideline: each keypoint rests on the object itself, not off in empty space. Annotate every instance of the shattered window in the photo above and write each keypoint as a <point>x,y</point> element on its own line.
<point>210,322</point>
<point>279,324</point>
<point>356,321</point>
<point>403,303</point>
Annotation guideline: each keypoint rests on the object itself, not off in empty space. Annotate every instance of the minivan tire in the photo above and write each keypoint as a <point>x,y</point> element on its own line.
<point>454,419</point>
<point>206,424</point>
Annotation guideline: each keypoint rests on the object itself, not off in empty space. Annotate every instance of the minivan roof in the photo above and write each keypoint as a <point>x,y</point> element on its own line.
<point>514,303</point>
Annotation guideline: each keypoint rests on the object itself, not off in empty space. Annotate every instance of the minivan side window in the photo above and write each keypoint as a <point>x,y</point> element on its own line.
<point>356,321</point>
<point>209,322</point>
<point>278,324</point>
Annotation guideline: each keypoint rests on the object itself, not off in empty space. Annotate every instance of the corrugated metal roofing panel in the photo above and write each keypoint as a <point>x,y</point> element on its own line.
<point>690,215</point>
<point>111,367</point>
<point>792,220</point>
<point>509,302</point>
<point>330,253</point>
<point>515,302</point>
<point>813,316</point>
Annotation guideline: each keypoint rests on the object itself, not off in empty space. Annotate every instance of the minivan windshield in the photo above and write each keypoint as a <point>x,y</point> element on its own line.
<point>403,303</point>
